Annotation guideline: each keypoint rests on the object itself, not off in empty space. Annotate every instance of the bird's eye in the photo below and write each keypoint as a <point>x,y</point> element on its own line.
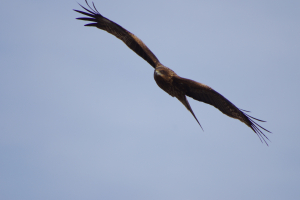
<point>162,72</point>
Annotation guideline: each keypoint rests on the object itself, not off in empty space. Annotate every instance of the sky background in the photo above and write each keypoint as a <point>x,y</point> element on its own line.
<point>81,116</point>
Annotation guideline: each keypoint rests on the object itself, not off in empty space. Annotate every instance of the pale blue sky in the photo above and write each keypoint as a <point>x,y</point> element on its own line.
<point>81,116</point>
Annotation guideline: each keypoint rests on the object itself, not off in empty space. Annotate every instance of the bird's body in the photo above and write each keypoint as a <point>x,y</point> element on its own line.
<point>168,80</point>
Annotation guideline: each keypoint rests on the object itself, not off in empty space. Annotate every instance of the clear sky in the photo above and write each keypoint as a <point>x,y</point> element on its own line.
<point>81,116</point>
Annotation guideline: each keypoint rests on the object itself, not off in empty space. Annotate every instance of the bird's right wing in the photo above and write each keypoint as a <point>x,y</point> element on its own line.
<point>204,93</point>
<point>113,28</point>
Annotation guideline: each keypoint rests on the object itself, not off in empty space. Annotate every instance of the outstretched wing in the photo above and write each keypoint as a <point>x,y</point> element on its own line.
<point>204,93</point>
<point>113,28</point>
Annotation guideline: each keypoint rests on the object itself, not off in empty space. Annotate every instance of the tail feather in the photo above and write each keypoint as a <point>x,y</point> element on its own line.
<point>185,102</point>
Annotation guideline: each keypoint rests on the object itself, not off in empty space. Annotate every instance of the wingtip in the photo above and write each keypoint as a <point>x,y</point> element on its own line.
<point>263,138</point>
<point>91,24</point>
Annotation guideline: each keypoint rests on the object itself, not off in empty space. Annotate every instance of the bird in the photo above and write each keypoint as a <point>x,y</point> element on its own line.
<point>167,79</point>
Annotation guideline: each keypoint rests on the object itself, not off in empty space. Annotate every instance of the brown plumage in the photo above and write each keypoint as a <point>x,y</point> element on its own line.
<point>167,79</point>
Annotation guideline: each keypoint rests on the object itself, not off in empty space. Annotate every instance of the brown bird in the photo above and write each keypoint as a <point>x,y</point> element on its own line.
<point>167,79</point>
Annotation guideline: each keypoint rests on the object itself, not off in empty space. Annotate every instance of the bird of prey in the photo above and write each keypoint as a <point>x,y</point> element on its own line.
<point>167,79</point>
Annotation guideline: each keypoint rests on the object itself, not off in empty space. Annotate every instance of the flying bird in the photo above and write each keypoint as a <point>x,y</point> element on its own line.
<point>167,79</point>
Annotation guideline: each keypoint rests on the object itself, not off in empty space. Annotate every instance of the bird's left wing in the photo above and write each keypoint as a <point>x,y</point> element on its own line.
<point>206,94</point>
<point>113,28</point>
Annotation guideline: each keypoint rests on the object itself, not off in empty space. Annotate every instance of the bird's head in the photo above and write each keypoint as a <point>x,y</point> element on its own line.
<point>164,71</point>
<point>161,72</point>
